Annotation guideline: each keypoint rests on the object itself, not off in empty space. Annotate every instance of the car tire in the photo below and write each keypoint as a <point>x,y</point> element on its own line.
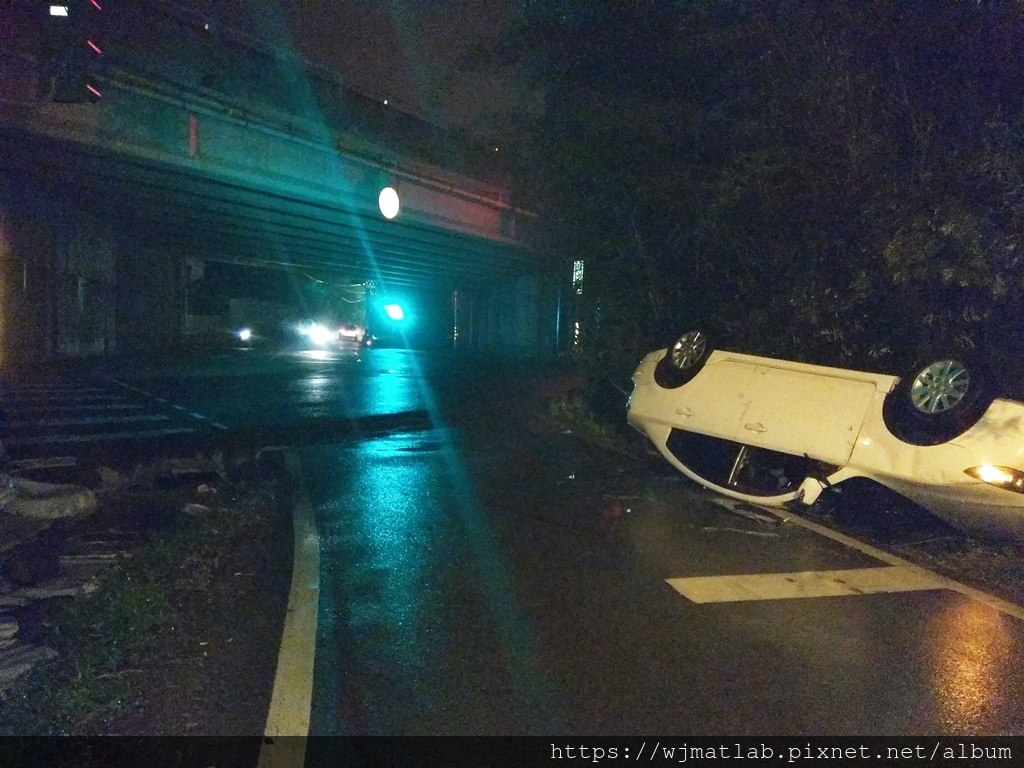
<point>684,358</point>
<point>937,401</point>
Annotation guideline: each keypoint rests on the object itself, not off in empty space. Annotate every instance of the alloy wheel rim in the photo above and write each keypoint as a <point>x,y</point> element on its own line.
<point>940,387</point>
<point>688,350</point>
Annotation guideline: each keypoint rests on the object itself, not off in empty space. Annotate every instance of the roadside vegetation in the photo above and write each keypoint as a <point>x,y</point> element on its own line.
<point>151,618</point>
<point>572,412</point>
<point>837,183</point>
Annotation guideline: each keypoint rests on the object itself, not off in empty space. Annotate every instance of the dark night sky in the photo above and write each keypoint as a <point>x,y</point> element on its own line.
<point>409,52</point>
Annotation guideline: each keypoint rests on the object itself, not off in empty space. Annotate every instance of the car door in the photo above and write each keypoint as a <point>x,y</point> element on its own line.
<point>713,403</point>
<point>805,410</point>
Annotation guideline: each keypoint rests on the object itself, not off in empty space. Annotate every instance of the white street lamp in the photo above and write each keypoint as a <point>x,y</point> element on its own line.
<point>388,202</point>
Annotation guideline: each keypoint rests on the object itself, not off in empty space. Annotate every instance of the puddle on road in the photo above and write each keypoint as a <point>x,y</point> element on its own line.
<point>424,447</point>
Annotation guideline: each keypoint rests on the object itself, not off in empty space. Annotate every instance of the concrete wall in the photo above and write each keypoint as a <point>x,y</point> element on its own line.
<point>150,300</point>
<point>151,121</point>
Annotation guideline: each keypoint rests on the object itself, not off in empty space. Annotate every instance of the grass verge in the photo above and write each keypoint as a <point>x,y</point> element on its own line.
<point>570,412</point>
<point>109,642</point>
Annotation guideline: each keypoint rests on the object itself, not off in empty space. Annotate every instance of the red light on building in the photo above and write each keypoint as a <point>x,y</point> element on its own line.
<point>71,52</point>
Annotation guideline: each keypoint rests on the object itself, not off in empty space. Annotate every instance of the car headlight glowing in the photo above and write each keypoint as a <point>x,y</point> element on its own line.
<point>318,334</point>
<point>245,334</point>
<point>1001,477</point>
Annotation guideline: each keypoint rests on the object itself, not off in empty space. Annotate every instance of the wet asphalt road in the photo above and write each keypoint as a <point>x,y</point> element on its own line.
<point>472,591</point>
<point>484,573</point>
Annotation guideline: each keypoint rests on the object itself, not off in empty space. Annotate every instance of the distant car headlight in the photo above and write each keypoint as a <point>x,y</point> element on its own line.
<point>351,332</point>
<point>1001,477</point>
<point>245,334</point>
<point>318,334</point>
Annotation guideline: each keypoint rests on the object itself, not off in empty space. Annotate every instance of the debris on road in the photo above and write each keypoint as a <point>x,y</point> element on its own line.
<point>110,479</point>
<point>741,530</point>
<point>8,629</point>
<point>19,659</point>
<point>93,608</point>
<point>48,501</point>
<point>200,467</point>
<point>748,511</point>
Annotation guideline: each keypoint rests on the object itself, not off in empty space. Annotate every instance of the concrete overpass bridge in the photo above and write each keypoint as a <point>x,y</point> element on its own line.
<point>216,167</point>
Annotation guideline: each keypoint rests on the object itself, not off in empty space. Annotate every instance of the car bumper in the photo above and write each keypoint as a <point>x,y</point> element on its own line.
<point>970,506</point>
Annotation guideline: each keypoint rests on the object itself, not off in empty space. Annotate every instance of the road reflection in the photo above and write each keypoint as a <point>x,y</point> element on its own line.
<point>393,524</point>
<point>418,584</point>
<point>395,386</point>
<point>973,646</point>
<point>417,516</point>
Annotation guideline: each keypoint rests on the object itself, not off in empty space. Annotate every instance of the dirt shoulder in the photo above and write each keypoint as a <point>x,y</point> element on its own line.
<point>179,635</point>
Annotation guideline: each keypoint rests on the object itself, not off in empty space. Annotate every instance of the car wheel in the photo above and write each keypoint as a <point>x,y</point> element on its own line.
<point>683,360</point>
<point>937,401</point>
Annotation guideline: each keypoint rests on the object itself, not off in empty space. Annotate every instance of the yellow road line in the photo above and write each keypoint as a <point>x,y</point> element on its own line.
<point>291,699</point>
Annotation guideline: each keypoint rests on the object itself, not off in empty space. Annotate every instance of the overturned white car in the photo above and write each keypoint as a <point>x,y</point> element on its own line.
<point>773,431</point>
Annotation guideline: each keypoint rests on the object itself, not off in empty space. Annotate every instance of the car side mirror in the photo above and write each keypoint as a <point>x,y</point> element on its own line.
<point>809,491</point>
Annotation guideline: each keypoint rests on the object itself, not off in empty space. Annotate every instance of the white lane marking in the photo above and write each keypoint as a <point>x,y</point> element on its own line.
<point>291,700</point>
<point>996,603</point>
<point>21,397</point>
<point>218,425</point>
<point>67,389</point>
<point>91,438</point>
<point>129,386</point>
<point>195,415</point>
<point>86,420</point>
<point>785,586</point>
<point>181,408</point>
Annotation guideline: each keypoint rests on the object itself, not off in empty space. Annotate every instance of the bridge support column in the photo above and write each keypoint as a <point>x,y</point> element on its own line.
<point>515,319</point>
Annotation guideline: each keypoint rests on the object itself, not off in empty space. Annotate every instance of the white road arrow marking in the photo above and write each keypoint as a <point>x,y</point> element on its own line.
<point>784,586</point>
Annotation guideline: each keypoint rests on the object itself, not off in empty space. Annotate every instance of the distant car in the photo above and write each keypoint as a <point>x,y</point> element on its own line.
<point>246,337</point>
<point>351,332</point>
<point>316,335</point>
<point>774,431</point>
